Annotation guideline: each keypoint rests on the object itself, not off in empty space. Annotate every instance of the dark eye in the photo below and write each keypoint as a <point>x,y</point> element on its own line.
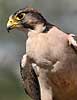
<point>20,16</point>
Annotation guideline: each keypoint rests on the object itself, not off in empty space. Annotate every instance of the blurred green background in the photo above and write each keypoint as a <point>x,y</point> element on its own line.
<point>12,46</point>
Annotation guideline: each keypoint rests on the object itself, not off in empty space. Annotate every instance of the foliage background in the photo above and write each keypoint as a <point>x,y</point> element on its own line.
<point>12,46</point>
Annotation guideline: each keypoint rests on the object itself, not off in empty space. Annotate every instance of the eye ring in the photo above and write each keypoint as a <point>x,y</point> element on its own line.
<point>20,16</point>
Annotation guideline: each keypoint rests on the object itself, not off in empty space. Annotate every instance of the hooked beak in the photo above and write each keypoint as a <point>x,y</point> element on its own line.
<point>11,24</point>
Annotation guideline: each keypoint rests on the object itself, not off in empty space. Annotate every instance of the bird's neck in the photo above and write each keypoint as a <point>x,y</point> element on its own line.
<point>40,28</point>
<point>48,26</point>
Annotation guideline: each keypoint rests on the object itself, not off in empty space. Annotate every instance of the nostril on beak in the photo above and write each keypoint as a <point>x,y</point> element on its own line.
<point>11,21</point>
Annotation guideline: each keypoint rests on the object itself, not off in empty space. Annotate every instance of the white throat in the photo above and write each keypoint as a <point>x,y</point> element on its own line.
<point>38,29</point>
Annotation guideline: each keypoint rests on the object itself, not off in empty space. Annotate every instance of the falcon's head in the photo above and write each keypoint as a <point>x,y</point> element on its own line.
<point>26,18</point>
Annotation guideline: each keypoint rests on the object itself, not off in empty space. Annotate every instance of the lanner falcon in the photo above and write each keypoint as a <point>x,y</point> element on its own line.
<point>49,67</point>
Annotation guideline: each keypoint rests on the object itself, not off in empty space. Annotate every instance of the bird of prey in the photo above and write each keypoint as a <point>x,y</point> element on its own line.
<point>49,67</point>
